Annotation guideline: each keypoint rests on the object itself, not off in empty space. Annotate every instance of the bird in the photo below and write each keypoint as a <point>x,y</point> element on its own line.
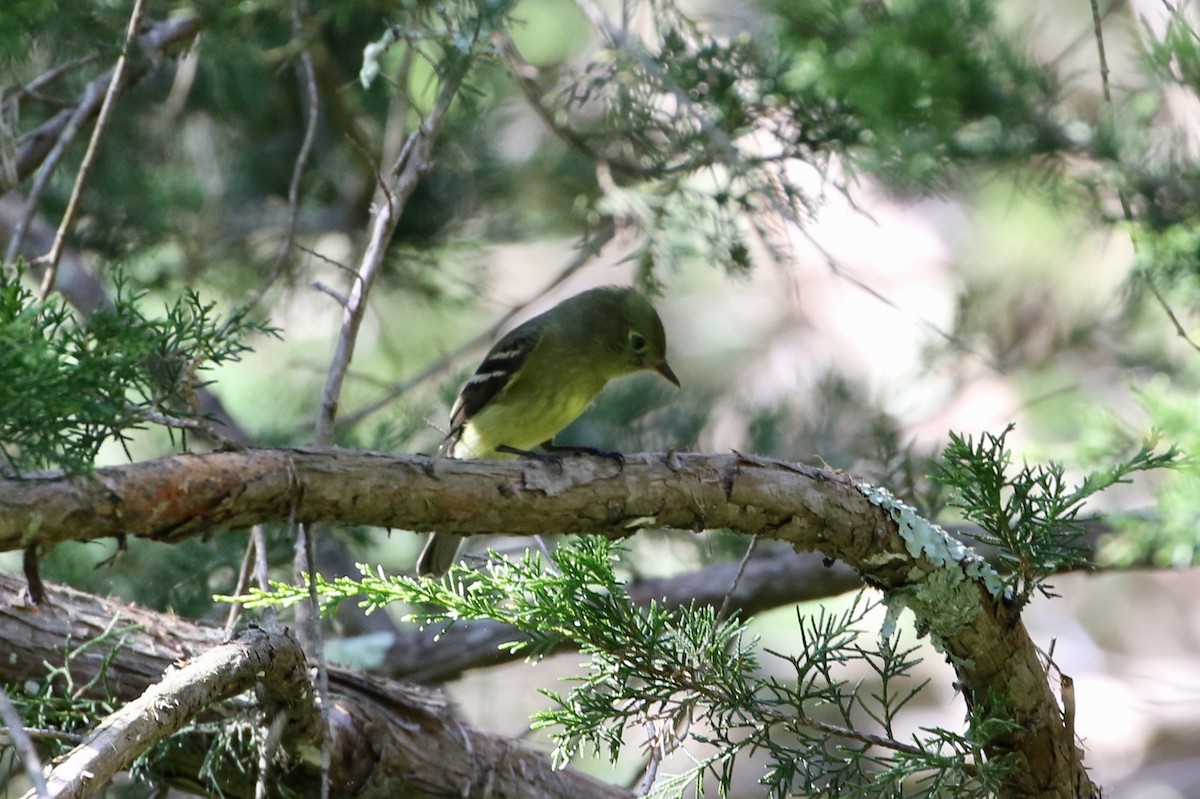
<point>540,377</point>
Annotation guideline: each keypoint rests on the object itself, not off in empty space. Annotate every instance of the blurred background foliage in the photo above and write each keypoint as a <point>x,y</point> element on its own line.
<point>868,223</point>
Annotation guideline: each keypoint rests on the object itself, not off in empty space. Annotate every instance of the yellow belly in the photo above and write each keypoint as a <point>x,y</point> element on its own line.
<point>523,418</point>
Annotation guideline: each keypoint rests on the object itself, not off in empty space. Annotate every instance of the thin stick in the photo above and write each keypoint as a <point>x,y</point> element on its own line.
<point>200,425</point>
<point>308,75</point>
<point>37,144</point>
<point>1098,28</point>
<point>65,138</point>
<point>316,641</point>
<point>110,96</point>
<point>727,602</point>
<point>414,161</point>
<point>23,745</point>
<point>33,88</point>
<point>272,734</point>
<point>243,583</point>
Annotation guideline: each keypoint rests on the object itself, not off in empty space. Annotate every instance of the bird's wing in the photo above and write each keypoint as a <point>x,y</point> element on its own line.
<point>497,369</point>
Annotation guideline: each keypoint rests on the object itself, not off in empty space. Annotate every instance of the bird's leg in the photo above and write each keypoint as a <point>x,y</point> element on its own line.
<point>616,457</point>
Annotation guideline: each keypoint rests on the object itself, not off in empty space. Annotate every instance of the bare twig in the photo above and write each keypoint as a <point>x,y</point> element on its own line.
<point>24,746</point>
<point>34,87</point>
<point>308,75</point>
<point>326,259</point>
<point>727,602</point>
<point>106,108</point>
<point>49,142</point>
<point>262,566</point>
<point>332,292</point>
<point>1162,301</point>
<point>316,641</point>
<point>659,745</point>
<point>33,575</point>
<point>272,734</point>
<point>181,87</point>
<point>413,162</point>
<point>203,426</point>
<point>243,583</point>
<point>1098,30</point>
<point>38,144</point>
<point>52,735</point>
<point>1126,210</point>
<point>1079,40</point>
<point>840,271</point>
<point>91,98</point>
<point>219,673</point>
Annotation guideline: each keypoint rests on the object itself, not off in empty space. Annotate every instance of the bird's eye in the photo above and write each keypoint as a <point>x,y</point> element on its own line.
<point>637,341</point>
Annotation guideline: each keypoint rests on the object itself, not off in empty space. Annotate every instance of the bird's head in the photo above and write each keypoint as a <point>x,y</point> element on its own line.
<point>645,344</point>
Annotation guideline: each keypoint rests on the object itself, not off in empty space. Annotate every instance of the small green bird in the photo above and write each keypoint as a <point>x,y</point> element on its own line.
<point>542,375</point>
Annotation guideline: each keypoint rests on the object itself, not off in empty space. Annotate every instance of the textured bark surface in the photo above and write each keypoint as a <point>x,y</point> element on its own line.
<point>183,495</point>
<point>997,665</point>
<point>166,707</point>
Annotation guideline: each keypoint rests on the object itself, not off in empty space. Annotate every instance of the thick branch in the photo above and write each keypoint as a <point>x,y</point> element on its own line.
<point>811,509</point>
<point>184,495</point>
<point>389,739</point>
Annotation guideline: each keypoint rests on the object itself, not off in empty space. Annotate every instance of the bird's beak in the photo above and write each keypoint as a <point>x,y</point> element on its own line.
<point>665,370</point>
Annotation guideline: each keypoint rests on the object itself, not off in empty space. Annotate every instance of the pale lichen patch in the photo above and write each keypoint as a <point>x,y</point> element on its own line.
<point>926,540</point>
<point>945,598</point>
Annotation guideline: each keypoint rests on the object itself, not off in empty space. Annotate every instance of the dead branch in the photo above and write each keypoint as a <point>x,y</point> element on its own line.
<point>220,673</point>
<point>388,739</point>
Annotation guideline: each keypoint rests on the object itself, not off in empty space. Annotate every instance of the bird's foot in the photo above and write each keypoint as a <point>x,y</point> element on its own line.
<point>530,455</point>
<point>615,457</point>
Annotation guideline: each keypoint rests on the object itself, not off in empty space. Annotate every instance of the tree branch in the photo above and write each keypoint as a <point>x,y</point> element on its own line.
<point>220,673</point>
<point>14,729</point>
<point>179,496</point>
<point>997,664</point>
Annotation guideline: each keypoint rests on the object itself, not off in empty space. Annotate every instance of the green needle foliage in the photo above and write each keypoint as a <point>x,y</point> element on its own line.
<point>1031,514</point>
<point>68,385</point>
<point>689,681</point>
